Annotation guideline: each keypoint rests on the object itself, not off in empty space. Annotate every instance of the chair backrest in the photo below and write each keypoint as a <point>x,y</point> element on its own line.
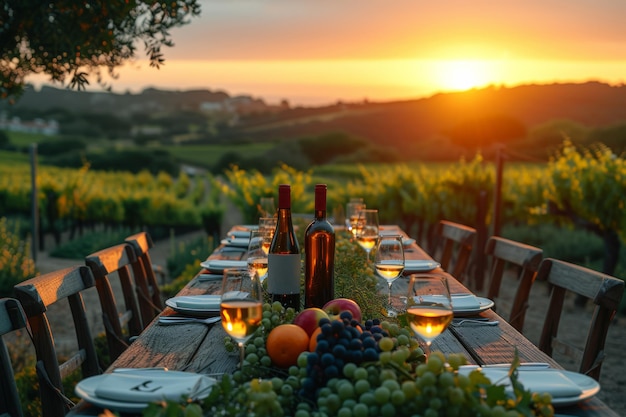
<point>148,294</point>
<point>504,253</point>
<point>119,325</point>
<point>36,295</point>
<point>604,290</point>
<point>12,318</point>
<point>454,243</point>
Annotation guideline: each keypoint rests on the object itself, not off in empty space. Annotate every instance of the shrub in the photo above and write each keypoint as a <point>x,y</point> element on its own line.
<point>16,263</point>
<point>187,254</point>
<point>60,146</point>
<point>80,247</point>
<point>568,244</point>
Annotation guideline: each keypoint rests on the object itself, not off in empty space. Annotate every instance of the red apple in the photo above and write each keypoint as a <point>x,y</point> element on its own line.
<point>309,318</point>
<point>334,308</point>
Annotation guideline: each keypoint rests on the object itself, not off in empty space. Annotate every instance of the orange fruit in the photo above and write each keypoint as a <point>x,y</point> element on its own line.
<point>313,341</point>
<point>285,343</point>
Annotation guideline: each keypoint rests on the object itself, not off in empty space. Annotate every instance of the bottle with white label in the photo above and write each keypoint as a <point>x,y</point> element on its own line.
<point>283,261</point>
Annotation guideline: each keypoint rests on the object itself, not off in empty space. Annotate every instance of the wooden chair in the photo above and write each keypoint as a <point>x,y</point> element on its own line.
<point>148,294</point>
<point>604,290</point>
<point>119,326</point>
<point>454,244</point>
<point>505,252</point>
<point>36,295</point>
<point>12,318</point>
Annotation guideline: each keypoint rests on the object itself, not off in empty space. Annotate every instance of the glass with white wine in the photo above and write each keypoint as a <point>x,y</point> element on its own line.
<point>389,263</point>
<point>267,227</point>
<point>367,230</point>
<point>256,256</point>
<point>429,306</point>
<point>241,305</point>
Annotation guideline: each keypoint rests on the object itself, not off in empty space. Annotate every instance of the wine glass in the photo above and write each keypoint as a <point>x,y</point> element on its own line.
<point>429,306</point>
<point>267,227</point>
<point>352,213</point>
<point>256,256</point>
<point>267,208</point>
<point>241,305</point>
<point>389,263</point>
<point>367,230</point>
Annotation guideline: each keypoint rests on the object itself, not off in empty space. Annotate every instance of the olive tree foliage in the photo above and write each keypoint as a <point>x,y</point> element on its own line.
<point>70,40</point>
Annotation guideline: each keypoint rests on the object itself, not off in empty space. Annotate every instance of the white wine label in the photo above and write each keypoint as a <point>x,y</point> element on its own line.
<point>283,273</point>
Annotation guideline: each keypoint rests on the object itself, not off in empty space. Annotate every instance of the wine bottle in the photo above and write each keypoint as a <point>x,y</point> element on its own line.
<point>319,250</point>
<point>283,260</point>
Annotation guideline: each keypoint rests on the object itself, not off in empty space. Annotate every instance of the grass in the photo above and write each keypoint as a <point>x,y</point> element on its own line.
<point>207,155</point>
<point>9,158</point>
<point>25,139</point>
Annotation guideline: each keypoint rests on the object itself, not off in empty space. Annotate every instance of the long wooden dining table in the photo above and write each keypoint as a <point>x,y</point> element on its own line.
<point>201,348</point>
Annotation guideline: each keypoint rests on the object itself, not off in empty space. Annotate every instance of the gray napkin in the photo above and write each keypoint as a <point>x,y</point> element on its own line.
<point>130,387</point>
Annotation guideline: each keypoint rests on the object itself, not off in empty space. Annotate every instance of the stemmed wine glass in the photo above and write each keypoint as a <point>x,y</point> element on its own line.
<point>267,227</point>
<point>389,263</point>
<point>367,230</point>
<point>352,213</point>
<point>256,256</point>
<point>267,208</point>
<point>429,306</point>
<point>241,305</point>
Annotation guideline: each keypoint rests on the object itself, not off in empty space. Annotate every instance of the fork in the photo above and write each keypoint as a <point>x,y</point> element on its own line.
<point>169,320</point>
<point>477,322</point>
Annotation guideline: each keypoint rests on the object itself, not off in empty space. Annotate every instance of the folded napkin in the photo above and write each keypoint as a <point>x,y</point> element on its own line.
<point>244,234</point>
<point>539,380</point>
<point>142,388</point>
<point>417,265</point>
<point>465,302</point>
<point>238,241</point>
<point>199,302</point>
<point>221,264</point>
<point>209,277</point>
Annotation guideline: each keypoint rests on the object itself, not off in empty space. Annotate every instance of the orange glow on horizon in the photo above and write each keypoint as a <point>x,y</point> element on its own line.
<point>316,82</point>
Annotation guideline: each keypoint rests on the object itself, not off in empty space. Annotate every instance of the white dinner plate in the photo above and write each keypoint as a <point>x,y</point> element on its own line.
<point>248,227</point>
<point>407,242</point>
<point>87,388</point>
<point>240,242</point>
<point>242,234</point>
<point>188,307</point>
<point>218,265</point>
<point>419,265</point>
<point>483,304</point>
<point>588,386</point>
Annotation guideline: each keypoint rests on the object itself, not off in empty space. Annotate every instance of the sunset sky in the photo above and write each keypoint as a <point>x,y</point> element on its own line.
<point>313,52</point>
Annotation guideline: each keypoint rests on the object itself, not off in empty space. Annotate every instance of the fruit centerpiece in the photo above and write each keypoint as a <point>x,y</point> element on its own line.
<point>326,362</point>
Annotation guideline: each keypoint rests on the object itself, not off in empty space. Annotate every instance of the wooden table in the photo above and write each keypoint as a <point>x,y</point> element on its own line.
<point>200,348</point>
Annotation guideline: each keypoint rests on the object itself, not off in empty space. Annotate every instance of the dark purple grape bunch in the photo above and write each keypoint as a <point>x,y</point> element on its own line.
<point>340,342</point>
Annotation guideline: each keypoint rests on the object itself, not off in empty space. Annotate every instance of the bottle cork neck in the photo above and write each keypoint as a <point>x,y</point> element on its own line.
<point>284,197</point>
<point>320,198</point>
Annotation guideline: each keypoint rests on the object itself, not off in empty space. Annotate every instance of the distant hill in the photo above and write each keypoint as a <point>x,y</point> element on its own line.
<point>439,126</point>
<point>150,99</point>
<point>531,119</point>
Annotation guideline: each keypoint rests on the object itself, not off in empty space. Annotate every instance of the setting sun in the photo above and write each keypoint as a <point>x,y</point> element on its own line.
<point>464,74</point>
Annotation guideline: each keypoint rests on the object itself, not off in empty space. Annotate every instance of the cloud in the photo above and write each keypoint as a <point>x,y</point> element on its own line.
<point>357,29</point>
